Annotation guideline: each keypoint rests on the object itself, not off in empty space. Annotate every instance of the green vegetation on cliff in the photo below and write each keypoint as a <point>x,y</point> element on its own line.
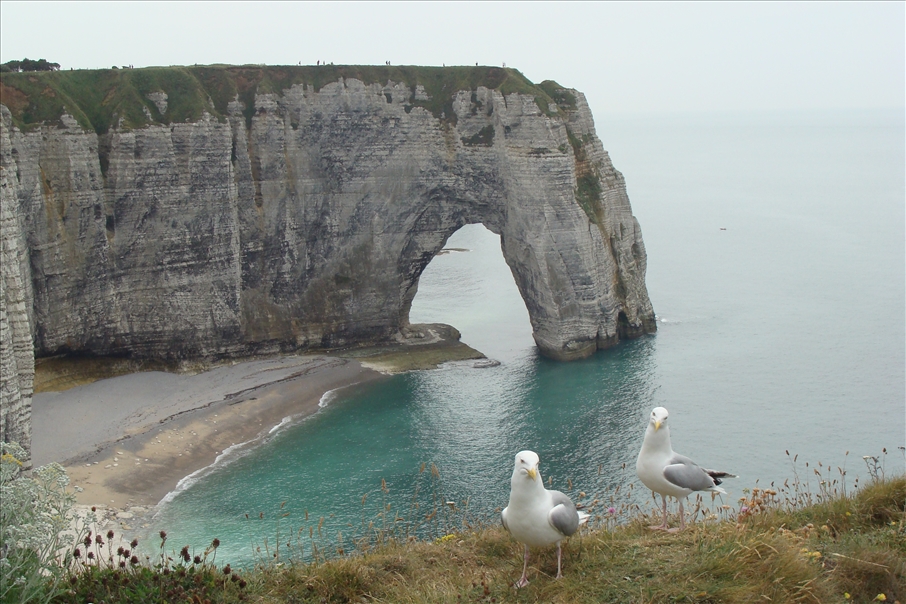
<point>791,543</point>
<point>104,98</point>
<point>839,549</point>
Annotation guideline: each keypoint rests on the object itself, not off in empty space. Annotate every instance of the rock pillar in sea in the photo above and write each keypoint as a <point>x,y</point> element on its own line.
<point>216,211</point>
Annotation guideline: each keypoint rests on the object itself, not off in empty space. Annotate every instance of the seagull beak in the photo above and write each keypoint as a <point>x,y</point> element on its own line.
<point>532,473</point>
<point>657,425</point>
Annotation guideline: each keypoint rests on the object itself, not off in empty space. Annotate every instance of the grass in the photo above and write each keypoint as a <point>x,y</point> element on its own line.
<point>783,545</point>
<point>103,98</point>
<point>770,556</point>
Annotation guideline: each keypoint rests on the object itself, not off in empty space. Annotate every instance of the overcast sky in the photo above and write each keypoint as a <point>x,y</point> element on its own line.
<point>626,57</point>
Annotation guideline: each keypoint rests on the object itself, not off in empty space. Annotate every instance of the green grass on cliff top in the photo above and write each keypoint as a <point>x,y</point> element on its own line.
<point>103,98</point>
<point>789,545</point>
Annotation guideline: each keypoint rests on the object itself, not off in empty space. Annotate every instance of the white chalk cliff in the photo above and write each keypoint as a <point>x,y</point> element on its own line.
<point>281,218</point>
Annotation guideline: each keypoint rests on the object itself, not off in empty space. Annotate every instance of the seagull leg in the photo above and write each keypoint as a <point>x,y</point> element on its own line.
<point>523,581</point>
<point>559,574</point>
<point>682,519</point>
<point>663,525</point>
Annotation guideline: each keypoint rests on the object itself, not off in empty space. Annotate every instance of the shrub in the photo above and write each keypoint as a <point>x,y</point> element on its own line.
<point>29,65</point>
<point>35,518</point>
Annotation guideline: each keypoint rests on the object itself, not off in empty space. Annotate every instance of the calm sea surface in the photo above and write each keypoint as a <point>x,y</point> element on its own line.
<point>776,268</point>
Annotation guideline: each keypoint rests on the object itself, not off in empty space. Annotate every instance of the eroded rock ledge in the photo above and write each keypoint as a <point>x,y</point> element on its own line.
<point>217,211</point>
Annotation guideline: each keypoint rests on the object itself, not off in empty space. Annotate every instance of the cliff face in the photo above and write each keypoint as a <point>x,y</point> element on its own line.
<point>303,217</point>
<point>17,363</point>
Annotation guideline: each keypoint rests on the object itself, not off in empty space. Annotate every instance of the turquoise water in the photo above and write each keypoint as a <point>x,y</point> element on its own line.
<point>785,331</point>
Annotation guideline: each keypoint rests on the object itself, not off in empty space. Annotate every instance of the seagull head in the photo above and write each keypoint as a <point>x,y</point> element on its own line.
<point>527,464</point>
<point>658,418</point>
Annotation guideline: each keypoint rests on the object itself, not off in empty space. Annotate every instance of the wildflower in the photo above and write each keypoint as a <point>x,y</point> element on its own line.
<point>133,560</point>
<point>227,570</point>
<point>11,459</point>
<point>881,598</point>
<point>744,509</point>
<point>846,595</point>
<point>110,534</point>
<point>215,543</point>
<point>77,553</point>
<point>196,560</point>
<point>163,535</point>
<point>611,511</point>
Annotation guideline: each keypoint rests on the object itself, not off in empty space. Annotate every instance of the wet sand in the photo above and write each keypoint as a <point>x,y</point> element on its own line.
<point>127,441</point>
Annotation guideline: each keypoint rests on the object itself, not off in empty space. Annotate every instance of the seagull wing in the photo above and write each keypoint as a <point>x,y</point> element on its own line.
<point>686,474</point>
<point>563,516</point>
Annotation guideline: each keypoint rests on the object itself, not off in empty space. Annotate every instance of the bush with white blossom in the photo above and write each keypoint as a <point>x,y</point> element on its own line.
<point>36,542</point>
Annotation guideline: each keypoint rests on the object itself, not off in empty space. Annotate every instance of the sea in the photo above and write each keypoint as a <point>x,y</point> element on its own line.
<point>776,249</point>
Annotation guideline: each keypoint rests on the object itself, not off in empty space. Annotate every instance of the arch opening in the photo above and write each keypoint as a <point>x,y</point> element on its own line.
<point>469,286</point>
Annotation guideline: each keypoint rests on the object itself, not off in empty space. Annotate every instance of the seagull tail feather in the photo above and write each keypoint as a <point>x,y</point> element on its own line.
<point>717,475</point>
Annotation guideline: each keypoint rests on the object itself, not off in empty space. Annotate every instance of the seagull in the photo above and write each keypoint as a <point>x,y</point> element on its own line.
<point>536,516</point>
<point>671,474</point>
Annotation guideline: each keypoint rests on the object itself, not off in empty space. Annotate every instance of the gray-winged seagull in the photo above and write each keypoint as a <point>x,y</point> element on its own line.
<point>536,516</point>
<point>671,474</point>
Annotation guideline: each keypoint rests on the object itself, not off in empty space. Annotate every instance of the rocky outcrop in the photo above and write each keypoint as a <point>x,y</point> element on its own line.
<point>302,217</point>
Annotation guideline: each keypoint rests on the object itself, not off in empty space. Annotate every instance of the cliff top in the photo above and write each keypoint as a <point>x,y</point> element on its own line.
<point>97,98</point>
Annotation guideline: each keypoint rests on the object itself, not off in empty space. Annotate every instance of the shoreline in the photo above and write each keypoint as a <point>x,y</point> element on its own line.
<point>152,455</point>
<point>128,441</point>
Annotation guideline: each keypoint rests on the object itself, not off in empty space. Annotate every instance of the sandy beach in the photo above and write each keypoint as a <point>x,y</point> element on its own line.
<point>127,441</point>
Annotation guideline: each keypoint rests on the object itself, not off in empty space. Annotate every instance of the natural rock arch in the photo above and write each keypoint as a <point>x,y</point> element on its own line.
<point>303,219</point>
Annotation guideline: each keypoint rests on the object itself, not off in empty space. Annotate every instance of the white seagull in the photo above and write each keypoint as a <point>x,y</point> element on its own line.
<point>536,516</point>
<point>671,474</point>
